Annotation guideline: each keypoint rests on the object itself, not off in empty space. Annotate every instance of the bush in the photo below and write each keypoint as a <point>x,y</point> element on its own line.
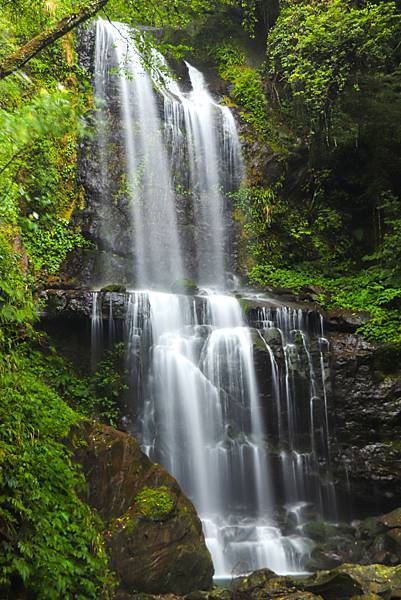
<point>51,545</point>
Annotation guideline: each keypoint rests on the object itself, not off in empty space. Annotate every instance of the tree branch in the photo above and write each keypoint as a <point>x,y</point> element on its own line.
<point>19,58</point>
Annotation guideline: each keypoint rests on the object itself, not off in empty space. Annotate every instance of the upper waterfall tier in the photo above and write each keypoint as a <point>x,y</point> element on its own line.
<point>180,157</point>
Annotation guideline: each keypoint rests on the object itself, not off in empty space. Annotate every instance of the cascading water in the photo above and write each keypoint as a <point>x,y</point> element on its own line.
<point>202,420</point>
<point>196,117</point>
<point>155,233</point>
<point>187,150</point>
<point>252,461</point>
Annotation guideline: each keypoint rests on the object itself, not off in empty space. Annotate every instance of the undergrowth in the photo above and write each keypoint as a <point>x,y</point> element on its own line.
<point>363,291</point>
<point>51,542</point>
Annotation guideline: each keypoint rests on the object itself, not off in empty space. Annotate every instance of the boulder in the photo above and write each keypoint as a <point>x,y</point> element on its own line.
<point>375,540</point>
<point>342,583</point>
<point>264,584</point>
<point>350,581</point>
<point>392,519</point>
<point>153,534</point>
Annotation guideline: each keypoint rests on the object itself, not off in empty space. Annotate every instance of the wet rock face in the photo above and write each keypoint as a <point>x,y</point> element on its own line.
<point>366,401</point>
<point>77,304</point>
<point>373,540</point>
<point>153,534</point>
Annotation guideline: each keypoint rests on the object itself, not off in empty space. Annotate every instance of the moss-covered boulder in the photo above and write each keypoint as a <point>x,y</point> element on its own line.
<point>153,534</point>
<point>264,584</point>
<point>391,520</point>
<point>350,581</point>
<point>347,582</point>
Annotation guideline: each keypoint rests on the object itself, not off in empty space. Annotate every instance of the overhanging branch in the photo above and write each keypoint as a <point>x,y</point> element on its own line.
<point>17,59</point>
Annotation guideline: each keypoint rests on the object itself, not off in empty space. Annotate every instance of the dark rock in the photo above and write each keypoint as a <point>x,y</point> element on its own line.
<point>78,303</point>
<point>185,286</point>
<point>342,583</point>
<point>365,400</point>
<point>152,555</point>
<point>343,320</point>
<point>114,287</point>
<point>373,540</point>
<point>310,292</point>
<point>349,581</point>
<point>265,584</point>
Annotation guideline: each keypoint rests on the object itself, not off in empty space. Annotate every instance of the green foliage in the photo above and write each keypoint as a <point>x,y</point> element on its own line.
<point>332,79</point>
<point>48,248</point>
<point>51,544</point>
<point>154,504</point>
<point>48,116</point>
<point>388,252</point>
<point>39,126</point>
<point>98,395</point>
<point>16,305</point>
<point>247,87</point>
<point>364,291</point>
<point>320,49</point>
<point>273,230</point>
<point>109,385</point>
<point>161,13</point>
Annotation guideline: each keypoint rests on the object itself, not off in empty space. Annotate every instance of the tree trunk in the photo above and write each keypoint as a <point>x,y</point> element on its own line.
<point>19,58</point>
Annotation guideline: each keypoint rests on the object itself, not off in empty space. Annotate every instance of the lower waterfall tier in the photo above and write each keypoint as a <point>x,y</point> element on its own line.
<point>237,412</point>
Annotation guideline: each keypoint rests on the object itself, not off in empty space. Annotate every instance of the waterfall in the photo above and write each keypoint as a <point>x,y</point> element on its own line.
<point>151,195</point>
<point>254,461</point>
<point>199,120</point>
<point>96,330</point>
<point>189,150</point>
<point>202,419</point>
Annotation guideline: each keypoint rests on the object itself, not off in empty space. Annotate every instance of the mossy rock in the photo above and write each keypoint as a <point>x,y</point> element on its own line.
<point>367,597</point>
<point>216,593</point>
<point>319,530</point>
<point>392,519</point>
<point>349,580</point>
<point>369,528</point>
<point>117,288</point>
<point>154,536</point>
<point>395,536</point>
<point>257,340</point>
<point>264,584</point>
<point>155,504</point>
<point>185,286</point>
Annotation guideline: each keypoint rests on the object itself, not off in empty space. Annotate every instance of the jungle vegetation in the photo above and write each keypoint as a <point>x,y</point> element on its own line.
<point>317,87</point>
